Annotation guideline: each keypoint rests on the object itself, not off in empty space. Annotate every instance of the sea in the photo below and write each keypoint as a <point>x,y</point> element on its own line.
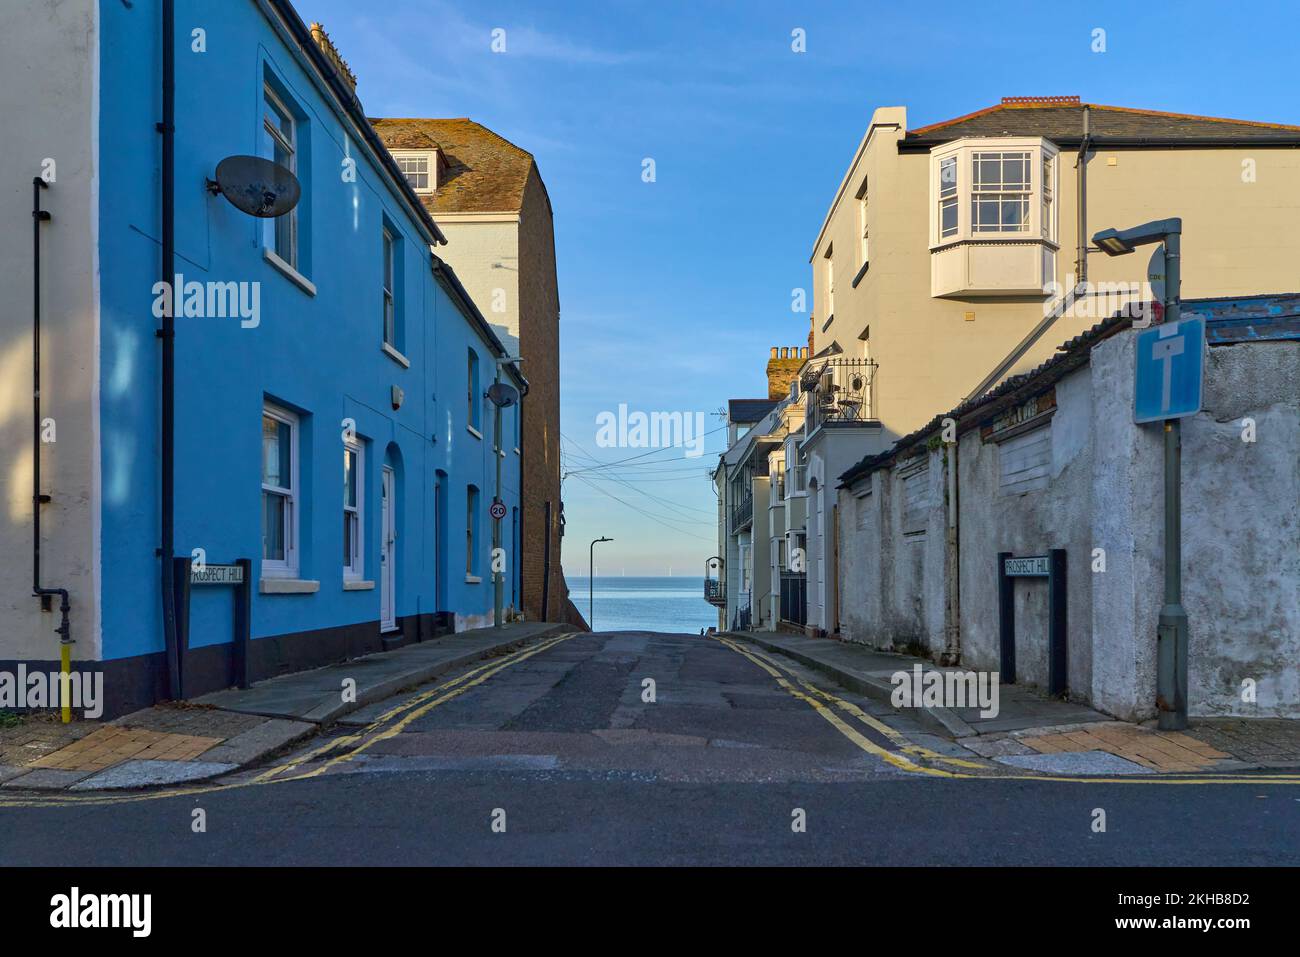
<point>634,603</point>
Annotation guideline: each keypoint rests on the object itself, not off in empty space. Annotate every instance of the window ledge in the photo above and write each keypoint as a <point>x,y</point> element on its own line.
<point>287,586</point>
<point>473,580</point>
<point>517,452</point>
<point>357,584</point>
<point>473,431</point>
<point>861,272</point>
<point>396,356</point>
<point>298,279</point>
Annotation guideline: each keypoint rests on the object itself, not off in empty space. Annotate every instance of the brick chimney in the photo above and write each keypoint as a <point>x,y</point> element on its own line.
<point>332,54</point>
<point>783,369</point>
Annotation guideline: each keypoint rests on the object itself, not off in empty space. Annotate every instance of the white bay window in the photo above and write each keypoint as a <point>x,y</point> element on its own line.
<point>993,217</point>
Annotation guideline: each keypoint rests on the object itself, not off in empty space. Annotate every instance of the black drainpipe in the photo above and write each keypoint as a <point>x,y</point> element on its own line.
<point>45,594</point>
<point>167,333</point>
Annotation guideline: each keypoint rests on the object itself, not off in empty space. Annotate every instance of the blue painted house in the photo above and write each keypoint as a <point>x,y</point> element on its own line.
<point>315,403</point>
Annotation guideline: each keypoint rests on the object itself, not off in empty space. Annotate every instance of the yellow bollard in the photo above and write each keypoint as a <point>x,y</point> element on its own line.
<point>65,657</point>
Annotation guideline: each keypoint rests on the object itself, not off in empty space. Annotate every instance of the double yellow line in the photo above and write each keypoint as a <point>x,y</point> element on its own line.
<point>395,720</point>
<point>905,750</point>
<point>387,725</point>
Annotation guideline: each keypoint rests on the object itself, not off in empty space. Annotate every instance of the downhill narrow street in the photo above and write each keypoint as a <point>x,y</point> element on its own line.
<point>556,754</point>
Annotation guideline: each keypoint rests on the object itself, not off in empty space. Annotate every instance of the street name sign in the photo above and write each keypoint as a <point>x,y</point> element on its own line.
<point>1031,566</point>
<point>216,575</point>
<point>1170,370</point>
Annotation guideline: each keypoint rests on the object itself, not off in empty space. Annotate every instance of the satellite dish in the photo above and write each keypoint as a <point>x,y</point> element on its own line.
<point>502,395</point>
<point>256,185</point>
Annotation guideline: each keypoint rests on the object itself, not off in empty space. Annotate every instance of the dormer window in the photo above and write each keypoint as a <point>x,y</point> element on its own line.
<point>420,167</point>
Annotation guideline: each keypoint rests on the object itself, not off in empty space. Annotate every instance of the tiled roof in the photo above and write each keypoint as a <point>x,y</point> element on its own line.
<point>485,173</point>
<point>749,410</point>
<point>1228,320</point>
<point>1060,119</point>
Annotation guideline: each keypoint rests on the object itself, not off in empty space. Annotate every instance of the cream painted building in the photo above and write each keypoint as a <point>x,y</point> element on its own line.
<point>952,256</point>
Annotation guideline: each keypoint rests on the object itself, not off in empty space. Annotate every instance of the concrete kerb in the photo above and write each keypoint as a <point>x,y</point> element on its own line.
<point>942,721</point>
<point>275,736</point>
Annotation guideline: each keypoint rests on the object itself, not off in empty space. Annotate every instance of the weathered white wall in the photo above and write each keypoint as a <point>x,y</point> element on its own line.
<point>1104,491</point>
<point>994,520</point>
<point>48,88</point>
<point>893,587</point>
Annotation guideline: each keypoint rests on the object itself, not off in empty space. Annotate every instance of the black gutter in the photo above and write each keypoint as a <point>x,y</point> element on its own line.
<point>348,98</point>
<point>167,198</point>
<point>45,594</point>
<point>451,282</point>
<point>924,145</point>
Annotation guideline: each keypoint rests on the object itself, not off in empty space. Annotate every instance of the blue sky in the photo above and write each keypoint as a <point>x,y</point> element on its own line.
<point>672,292</point>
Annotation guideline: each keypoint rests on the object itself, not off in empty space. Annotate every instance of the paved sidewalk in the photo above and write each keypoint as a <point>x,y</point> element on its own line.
<point>868,671</point>
<point>1047,735</point>
<point>317,695</point>
<point>177,742</point>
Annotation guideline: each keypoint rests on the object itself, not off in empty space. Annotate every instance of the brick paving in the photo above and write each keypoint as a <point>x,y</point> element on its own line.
<point>1158,750</point>
<point>111,745</point>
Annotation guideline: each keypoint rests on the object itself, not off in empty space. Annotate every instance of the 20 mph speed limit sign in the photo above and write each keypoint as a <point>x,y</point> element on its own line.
<point>498,510</point>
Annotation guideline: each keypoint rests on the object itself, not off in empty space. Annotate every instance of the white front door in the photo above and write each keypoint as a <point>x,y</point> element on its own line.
<point>387,537</point>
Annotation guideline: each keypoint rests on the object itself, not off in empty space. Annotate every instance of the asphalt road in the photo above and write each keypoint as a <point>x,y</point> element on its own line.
<point>551,756</point>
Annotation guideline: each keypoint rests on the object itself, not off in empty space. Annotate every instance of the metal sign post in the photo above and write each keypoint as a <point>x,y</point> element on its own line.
<point>1168,386</point>
<point>239,574</point>
<point>1052,567</point>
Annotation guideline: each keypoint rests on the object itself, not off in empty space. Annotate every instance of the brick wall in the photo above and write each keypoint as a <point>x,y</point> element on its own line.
<point>539,343</point>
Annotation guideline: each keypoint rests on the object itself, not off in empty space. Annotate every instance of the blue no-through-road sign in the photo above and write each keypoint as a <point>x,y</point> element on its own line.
<point>1170,370</point>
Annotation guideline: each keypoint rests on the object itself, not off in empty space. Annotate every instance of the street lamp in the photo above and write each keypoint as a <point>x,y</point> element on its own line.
<point>1171,641</point>
<point>502,395</point>
<point>591,578</point>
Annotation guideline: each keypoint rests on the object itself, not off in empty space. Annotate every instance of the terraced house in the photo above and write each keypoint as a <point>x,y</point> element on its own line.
<point>316,404</point>
<point>956,254</point>
<point>488,196</point>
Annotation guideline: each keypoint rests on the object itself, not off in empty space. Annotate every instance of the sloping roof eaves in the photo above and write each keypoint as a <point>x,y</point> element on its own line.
<point>973,413</point>
<point>1229,319</point>
<point>1107,125</point>
<point>447,277</point>
<point>746,411</point>
<point>347,97</point>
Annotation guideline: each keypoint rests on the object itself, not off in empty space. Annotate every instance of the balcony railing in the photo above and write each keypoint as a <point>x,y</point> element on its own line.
<point>839,390</point>
<point>715,592</point>
<point>742,513</point>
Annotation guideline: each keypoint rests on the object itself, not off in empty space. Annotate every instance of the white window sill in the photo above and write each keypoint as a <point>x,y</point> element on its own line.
<point>396,356</point>
<point>357,584</point>
<point>287,586</point>
<point>298,279</point>
<point>474,432</point>
<point>473,580</point>
<point>517,452</point>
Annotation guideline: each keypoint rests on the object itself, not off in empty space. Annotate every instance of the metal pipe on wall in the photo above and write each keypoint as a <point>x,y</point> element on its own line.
<point>64,630</point>
<point>167,549</point>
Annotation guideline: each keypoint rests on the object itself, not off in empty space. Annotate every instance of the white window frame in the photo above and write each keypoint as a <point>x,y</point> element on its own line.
<point>354,568</point>
<point>864,248</point>
<point>1043,197</point>
<point>430,158</point>
<point>473,505</point>
<point>388,254</point>
<point>288,566</point>
<point>290,146</point>
<point>830,281</point>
